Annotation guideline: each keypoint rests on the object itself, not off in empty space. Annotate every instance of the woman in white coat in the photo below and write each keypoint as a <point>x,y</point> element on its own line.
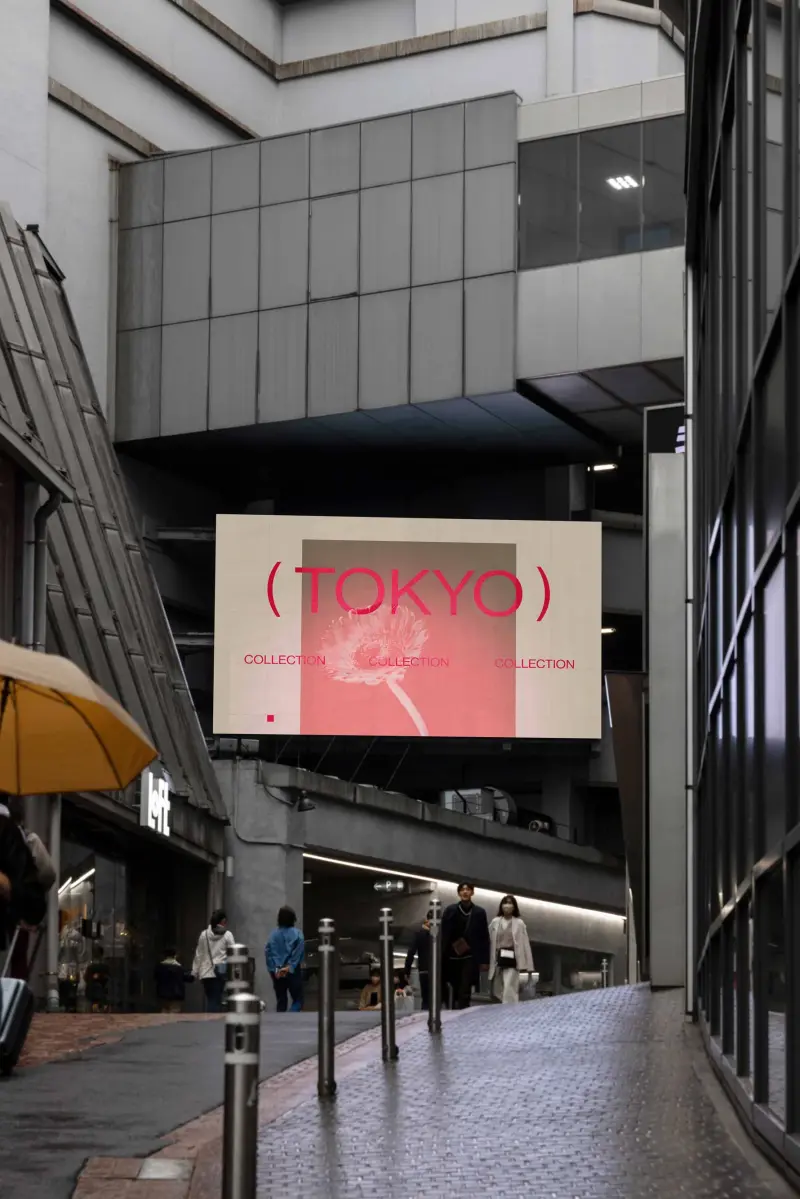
<point>510,951</point>
<point>211,959</point>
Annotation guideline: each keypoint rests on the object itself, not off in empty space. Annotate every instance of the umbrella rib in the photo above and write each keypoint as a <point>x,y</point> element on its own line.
<point>65,699</point>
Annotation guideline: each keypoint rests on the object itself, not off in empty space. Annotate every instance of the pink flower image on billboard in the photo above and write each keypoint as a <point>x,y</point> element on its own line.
<point>409,643</point>
<point>396,627</point>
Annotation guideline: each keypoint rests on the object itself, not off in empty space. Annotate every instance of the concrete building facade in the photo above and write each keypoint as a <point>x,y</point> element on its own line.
<point>306,240</point>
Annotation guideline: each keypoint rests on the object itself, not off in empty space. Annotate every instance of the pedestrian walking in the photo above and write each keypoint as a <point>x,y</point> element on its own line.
<point>171,978</point>
<point>421,950</point>
<point>19,967</point>
<point>511,953</point>
<point>284,952</point>
<point>210,964</point>
<point>465,945</point>
<point>22,896</point>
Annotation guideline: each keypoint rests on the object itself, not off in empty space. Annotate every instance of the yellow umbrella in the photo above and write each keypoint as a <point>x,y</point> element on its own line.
<point>59,731</point>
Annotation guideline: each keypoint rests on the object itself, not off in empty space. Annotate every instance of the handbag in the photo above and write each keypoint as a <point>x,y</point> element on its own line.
<point>461,945</point>
<point>220,968</point>
<point>506,959</point>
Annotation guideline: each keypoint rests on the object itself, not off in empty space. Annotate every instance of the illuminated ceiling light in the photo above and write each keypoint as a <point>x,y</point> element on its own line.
<point>82,879</point>
<point>602,466</point>
<point>65,886</point>
<point>621,183</point>
<point>484,892</point>
<point>607,629</point>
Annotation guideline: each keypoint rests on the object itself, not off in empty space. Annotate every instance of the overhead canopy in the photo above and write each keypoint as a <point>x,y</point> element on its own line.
<point>104,610</point>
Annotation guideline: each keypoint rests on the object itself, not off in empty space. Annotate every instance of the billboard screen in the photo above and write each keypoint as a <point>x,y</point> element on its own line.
<point>401,628</point>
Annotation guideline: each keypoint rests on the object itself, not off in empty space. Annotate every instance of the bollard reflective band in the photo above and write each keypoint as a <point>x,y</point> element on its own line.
<point>238,1057</point>
<point>244,1018</point>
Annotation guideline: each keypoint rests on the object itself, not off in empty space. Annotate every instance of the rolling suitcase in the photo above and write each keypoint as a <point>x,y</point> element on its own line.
<point>16,1011</point>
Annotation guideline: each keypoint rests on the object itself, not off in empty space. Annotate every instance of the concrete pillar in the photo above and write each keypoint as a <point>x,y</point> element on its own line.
<point>24,53</point>
<point>665,851</point>
<point>560,48</point>
<point>265,853</point>
<point>561,802</point>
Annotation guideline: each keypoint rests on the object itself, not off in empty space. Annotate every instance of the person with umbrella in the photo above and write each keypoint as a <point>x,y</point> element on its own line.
<point>22,897</point>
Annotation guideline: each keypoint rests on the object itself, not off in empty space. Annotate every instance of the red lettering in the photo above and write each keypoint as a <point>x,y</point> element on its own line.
<point>315,572</point>
<point>360,570</point>
<point>453,592</point>
<point>503,574</point>
<point>407,589</point>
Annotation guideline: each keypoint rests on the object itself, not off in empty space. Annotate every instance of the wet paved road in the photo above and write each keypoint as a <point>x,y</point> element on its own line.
<point>604,1095</point>
<point>118,1100</point>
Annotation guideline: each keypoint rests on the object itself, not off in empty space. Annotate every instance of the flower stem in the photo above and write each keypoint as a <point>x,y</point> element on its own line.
<point>409,705</point>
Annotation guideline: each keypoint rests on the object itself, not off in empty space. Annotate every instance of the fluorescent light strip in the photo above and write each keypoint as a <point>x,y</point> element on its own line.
<point>546,903</point>
<point>64,886</point>
<point>622,183</point>
<point>602,466</point>
<point>82,879</point>
<point>607,629</point>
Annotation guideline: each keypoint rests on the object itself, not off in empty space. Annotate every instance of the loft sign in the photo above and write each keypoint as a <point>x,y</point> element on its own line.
<point>155,802</point>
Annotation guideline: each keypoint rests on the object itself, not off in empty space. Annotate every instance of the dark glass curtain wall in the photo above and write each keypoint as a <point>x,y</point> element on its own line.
<point>743,243</point>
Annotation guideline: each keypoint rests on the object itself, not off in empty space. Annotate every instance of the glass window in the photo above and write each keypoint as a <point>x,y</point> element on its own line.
<point>747,716</point>
<point>662,177</point>
<point>610,191</point>
<point>771,894</point>
<point>774,754</point>
<point>773,118</point>
<point>772,452</point>
<point>548,185</point>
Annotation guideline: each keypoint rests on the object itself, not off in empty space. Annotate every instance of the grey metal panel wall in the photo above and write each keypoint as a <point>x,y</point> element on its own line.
<point>103,607</point>
<point>666,796</point>
<point>281,239</point>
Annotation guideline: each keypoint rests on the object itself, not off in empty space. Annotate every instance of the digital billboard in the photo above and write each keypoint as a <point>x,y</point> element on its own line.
<point>341,626</point>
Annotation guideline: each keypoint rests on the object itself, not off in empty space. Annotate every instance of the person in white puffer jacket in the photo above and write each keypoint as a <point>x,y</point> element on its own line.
<point>211,959</point>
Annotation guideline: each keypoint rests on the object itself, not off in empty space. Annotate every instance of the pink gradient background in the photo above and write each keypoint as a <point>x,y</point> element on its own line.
<point>470,697</point>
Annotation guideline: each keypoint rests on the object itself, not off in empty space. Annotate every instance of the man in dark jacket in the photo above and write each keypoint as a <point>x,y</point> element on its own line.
<point>421,950</point>
<point>22,897</point>
<point>171,978</point>
<point>465,945</point>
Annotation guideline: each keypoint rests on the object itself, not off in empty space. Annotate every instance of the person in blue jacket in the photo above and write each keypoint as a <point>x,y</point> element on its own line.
<point>284,952</point>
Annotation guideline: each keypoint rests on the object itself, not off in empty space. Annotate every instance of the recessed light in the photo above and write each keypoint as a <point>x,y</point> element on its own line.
<point>621,183</point>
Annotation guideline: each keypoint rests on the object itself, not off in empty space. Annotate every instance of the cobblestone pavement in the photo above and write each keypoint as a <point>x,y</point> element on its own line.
<point>596,1096</point>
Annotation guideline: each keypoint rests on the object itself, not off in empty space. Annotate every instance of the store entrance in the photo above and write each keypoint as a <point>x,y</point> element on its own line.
<point>124,900</point>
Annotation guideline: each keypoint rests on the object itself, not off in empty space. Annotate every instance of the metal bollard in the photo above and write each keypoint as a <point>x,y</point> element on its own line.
<point>604,972</point>
<point>390,1051</point>
<point>326,1082</point>
<point>435,999</point>
<point>240,1134</point>
<point>240,978</point>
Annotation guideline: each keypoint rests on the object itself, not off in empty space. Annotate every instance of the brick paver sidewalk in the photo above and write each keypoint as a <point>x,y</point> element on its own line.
<point>595,1096</point>
<point>57,1036</point>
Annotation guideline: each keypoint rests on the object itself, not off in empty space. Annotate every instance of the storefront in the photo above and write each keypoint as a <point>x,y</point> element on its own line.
<point>126,895</point>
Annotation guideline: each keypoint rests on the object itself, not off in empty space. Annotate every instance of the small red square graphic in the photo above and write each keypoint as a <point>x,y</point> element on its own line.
<point>270,719</point>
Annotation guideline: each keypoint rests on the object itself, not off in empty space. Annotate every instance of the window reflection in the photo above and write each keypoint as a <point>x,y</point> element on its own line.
<point>662,194</point>
<point>610,191</point>
<point>774,753</point>
<point>772,896</point>
<point>548,184</point>
<point>603,192</point>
